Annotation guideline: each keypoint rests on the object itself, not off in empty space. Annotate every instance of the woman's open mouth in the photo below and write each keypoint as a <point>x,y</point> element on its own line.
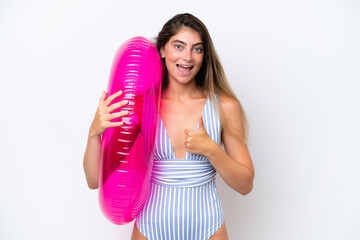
<point>184,68</point>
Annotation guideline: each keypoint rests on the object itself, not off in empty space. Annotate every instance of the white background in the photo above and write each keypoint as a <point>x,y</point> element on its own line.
<point>293,64</point>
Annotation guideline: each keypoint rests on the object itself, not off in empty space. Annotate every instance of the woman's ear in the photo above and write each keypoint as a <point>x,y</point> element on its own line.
<point>162,52</point>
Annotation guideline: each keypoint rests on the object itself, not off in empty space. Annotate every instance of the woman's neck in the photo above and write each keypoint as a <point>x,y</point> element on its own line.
<point>180,91</point>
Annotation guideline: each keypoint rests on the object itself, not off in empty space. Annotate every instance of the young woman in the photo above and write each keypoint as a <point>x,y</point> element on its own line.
<point>199,113</point>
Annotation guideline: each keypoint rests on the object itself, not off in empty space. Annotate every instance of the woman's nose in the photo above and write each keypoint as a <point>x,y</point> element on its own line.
<point>187,55</point>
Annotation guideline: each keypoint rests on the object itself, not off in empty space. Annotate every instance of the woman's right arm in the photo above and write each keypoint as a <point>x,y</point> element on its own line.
<point>100,123</point>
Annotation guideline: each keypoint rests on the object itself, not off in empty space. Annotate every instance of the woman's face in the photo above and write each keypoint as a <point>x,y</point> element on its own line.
<point>184,54</point>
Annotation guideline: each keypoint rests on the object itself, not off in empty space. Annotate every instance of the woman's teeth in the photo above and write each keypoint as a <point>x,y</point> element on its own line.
<point>184,67</point>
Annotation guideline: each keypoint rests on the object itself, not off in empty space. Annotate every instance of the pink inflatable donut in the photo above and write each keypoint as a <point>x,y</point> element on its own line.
<point>127,157</point>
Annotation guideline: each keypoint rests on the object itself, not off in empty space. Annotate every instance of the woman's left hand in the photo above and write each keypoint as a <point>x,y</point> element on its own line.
<point>197,141</point>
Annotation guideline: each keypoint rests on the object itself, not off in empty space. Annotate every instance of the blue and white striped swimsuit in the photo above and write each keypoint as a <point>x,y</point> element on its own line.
<point>183,203</point>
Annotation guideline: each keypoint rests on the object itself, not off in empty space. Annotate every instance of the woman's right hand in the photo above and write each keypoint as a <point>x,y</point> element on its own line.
<point>103,114</point>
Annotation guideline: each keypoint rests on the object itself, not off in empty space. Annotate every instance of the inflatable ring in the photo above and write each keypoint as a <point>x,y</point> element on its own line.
<point>127,154</point>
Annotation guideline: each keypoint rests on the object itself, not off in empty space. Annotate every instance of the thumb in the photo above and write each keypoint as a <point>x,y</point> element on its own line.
<point>187,131</point>
<point>201,122</point>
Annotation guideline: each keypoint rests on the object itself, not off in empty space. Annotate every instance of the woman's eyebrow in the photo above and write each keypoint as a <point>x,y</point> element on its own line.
<point>181,42</point>
<point>199,43</point>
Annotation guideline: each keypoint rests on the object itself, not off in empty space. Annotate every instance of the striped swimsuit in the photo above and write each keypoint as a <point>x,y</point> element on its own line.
<point>183,203</point>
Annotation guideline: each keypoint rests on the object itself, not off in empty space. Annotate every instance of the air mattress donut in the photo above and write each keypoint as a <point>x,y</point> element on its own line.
<point>127,157</point>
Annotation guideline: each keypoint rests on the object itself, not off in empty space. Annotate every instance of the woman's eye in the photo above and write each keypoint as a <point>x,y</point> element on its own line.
<point>198,50</point>
<point>178,46</point>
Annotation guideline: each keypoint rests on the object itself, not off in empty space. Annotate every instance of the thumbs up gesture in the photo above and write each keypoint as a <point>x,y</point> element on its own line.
<point>197,141</point>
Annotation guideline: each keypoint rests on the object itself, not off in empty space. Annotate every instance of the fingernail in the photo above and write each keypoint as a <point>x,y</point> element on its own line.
<point>120,92</point>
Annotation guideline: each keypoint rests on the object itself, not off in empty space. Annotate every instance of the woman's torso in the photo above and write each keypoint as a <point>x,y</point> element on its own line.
<point>178,116</point>
<point>183,201</point>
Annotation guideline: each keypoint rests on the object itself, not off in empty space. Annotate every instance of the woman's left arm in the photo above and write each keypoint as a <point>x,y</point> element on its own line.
<point>235,165</point>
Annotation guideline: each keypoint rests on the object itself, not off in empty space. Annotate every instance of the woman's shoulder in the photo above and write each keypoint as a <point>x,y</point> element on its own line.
<point>228,103</point>
<point>231,109</point>
<point>234,121</point>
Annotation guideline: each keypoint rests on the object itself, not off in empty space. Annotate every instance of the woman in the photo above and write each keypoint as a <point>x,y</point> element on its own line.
<point>198,113</point>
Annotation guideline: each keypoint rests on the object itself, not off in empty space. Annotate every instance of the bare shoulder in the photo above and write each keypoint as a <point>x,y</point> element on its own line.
<point>228,104</point>
<point>233,121</point>
<point>232,112</point>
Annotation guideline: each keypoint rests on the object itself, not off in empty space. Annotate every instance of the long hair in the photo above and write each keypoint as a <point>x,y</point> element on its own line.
<point>211,76</point>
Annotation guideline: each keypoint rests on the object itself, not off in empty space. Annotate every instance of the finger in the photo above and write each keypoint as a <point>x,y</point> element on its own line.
<point>102,98</point>
<point>114,124</point>
<point>187,131</point>
<point>201,122</point>
<point>116,115</point>
<point>111,98</point>
<point>117,105</point>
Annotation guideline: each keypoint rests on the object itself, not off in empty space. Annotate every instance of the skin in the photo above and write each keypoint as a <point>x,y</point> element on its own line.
<point>180,109</point>
<point>100,123</point>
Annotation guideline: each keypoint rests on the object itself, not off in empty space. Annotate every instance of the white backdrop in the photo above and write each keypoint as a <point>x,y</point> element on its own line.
<point>293,64</point>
